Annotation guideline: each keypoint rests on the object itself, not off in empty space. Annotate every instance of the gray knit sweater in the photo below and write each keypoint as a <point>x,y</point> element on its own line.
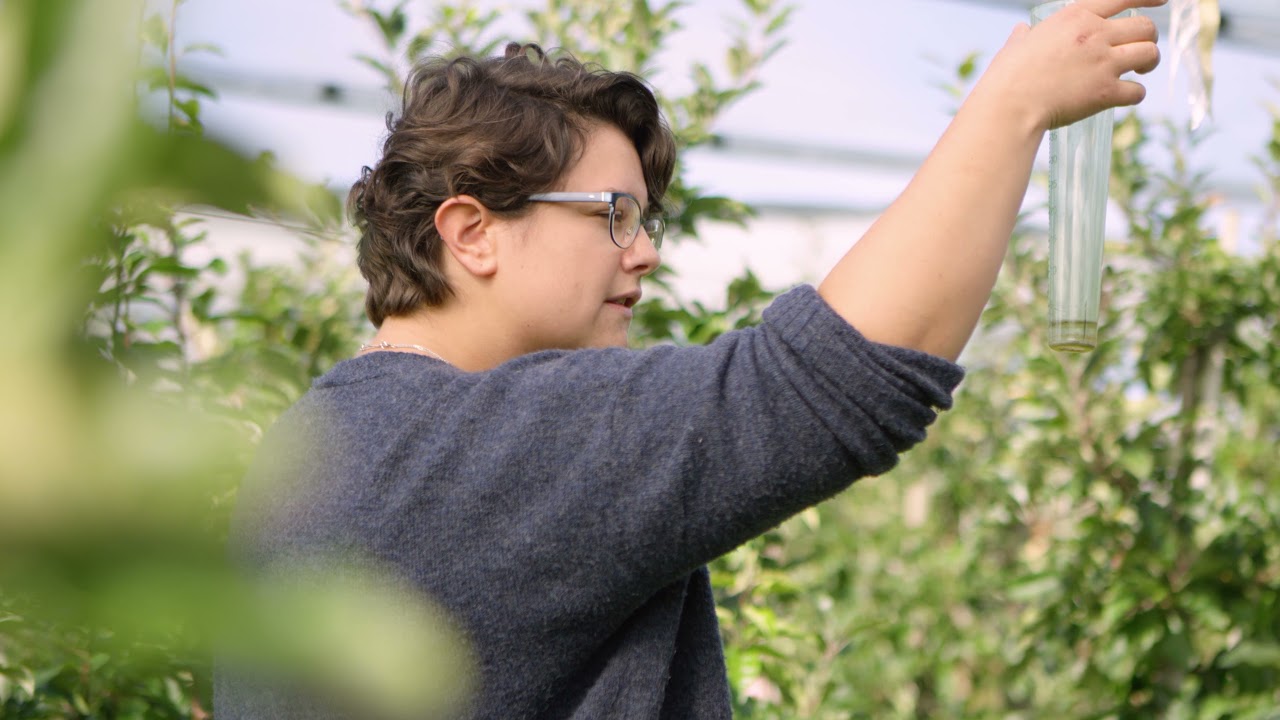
<point>562,507</point>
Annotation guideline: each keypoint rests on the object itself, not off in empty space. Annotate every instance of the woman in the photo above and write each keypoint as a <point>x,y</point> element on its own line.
<point>497,446</point>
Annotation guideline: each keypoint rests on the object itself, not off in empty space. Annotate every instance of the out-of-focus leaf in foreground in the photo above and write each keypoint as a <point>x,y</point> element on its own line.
<point>114,484</point>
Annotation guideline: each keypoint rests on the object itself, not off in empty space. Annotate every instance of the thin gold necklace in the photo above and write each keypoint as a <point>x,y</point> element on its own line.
<point>384,345</point>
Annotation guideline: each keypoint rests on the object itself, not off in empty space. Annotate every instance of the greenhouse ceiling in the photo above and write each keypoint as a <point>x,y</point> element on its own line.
<point>1253,24</point>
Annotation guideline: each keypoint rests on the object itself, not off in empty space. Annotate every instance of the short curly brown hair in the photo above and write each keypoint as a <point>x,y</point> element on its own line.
<point>498,129</point>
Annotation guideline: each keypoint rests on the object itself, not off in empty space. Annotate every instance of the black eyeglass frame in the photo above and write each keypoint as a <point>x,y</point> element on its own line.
<point>655,227</point>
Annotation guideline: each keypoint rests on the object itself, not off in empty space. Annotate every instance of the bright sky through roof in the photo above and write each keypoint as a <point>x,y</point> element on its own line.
<point>855,74</point>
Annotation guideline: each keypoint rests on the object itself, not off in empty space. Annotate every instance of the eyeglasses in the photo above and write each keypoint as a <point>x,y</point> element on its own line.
<point>625,219</point>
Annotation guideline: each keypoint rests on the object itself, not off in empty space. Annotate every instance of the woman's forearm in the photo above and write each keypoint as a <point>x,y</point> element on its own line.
<point>921,275</point>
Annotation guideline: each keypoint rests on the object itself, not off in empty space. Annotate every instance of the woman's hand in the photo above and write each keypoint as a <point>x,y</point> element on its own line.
<point>1069,66</point>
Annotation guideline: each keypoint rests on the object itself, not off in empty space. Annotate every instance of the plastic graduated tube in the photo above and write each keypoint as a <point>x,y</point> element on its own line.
<point>1079,177</point>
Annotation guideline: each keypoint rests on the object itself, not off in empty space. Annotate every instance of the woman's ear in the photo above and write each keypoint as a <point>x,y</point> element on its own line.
<point>465,225</point>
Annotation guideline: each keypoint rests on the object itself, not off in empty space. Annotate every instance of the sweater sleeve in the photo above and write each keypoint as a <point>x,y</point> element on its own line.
<point>563,489</point>
<point>743,434</point>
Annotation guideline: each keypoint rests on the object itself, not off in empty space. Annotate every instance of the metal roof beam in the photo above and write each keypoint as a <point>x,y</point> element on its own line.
<point>1244,24</point>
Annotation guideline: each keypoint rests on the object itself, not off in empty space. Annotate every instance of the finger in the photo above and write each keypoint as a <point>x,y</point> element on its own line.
<point>1111,8</point>
<point>1128,92</point>
<point>1139,57</point>
<point>1121,31</point>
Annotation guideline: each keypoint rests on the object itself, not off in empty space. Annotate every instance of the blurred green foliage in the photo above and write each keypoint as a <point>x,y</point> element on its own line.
<point>1089,536</point>
<point>137,378</point>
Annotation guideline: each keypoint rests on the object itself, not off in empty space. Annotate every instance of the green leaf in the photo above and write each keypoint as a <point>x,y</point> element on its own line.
<point>391,24</point>
<point>189,108</point>
<point>155,31</point>
<point>382,68</point>
<point>1251,653</point>
<point>779,21</point>
<point>182,82</point>
<point>968,67</point>
<point>171,267</point>
<point>419,45</point>
<point>209,48</point>
<point>1033,587</point>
